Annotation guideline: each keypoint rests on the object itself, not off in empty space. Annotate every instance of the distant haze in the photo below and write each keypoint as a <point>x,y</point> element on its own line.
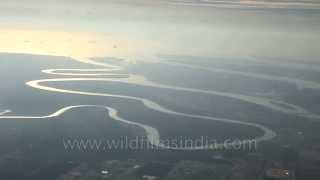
<point>165,27</point>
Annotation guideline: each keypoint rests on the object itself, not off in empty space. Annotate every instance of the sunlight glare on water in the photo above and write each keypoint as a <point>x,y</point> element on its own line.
<point>59,43</point>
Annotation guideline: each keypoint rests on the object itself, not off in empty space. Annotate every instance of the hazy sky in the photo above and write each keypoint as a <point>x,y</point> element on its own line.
<point>95,29</point>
